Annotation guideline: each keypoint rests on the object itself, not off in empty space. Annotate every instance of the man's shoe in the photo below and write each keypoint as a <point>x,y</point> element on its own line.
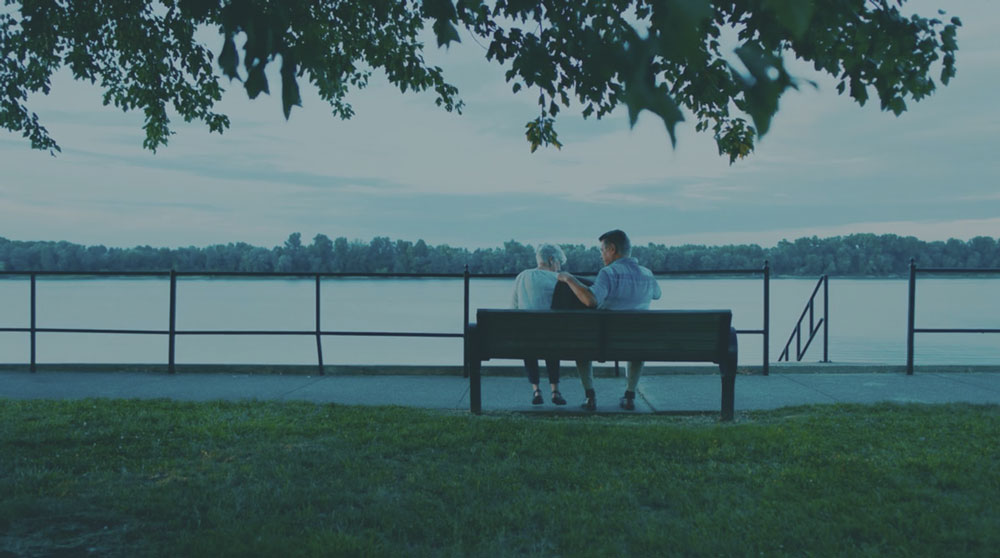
<point>628,402</point>
<point>590,403</point>
<point>557,398</point>
<point>537,399</point>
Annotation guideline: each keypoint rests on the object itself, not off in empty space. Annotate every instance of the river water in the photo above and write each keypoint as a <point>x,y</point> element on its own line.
<point>867,321</point>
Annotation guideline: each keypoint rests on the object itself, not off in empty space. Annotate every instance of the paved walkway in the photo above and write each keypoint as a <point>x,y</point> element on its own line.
<point>657,393</point>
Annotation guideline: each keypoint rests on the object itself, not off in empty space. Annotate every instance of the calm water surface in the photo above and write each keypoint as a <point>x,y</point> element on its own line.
<point>867,318</point>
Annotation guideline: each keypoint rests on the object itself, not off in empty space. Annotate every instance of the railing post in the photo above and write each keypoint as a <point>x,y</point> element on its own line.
<point>33,366</point>
<point>910,317</point>
<point>465,324</point>
<point>173,321</point>
<point>319,335</point>
<point>826,317</point>
<point>798,342</point>
<point>767,313</point>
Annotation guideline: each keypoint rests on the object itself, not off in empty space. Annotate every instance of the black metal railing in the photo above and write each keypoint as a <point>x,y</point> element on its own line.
<point>911,314</point>
<point>814,325</point>
<point>765,330</point>
<point>172,332</point>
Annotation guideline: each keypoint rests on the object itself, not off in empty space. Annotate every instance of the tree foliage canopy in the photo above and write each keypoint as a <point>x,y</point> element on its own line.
<point>721,63</point>
<point>856,254</point>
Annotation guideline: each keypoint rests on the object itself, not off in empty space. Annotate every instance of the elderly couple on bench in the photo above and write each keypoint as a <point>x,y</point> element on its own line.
<point>622,284</point>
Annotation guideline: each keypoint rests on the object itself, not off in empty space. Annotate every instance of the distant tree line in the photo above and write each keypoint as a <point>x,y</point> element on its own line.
<point>856,254</point>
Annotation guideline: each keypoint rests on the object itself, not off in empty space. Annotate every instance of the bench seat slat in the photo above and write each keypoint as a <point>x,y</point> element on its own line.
<point>682,336</point>
<point>512,334</point>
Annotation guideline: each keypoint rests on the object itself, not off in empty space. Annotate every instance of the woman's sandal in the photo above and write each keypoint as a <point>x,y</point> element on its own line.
<point>537,399</point>
<point>557,398</point>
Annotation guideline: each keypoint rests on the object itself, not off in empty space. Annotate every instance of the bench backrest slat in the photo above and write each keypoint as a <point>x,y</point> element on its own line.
<point>652,335</point>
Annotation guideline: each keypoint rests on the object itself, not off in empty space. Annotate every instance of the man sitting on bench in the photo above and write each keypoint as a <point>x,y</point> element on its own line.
<point>622,284</point>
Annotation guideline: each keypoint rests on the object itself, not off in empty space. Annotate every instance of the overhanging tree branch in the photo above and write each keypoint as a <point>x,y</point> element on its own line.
<point>663,56</point>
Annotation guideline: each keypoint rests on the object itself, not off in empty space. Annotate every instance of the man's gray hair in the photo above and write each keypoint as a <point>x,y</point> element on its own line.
<point>546,252</point>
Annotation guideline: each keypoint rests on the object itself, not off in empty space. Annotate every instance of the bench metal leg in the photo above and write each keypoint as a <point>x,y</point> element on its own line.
<point>472,369</point>
<point>728,373</point>
<point>475,388</point>
<point>728,394</point>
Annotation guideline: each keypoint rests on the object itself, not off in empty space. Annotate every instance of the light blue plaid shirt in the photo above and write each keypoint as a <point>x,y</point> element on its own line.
<point>625,285</point>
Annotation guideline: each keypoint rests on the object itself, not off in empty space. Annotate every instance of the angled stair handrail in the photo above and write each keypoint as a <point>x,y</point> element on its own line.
<point>814,325</point>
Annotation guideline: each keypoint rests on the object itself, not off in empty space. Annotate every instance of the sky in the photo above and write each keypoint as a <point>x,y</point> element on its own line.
<point>406,169</point>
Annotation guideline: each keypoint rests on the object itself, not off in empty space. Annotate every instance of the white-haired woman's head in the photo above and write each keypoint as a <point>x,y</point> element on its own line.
<point>549,255</point>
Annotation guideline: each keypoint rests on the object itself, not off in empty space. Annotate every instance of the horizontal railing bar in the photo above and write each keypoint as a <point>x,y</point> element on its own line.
<point>298,274</point>
<point>99,273</point>
<point>98,330</point>
<point>262,332</point>
<point>313,332</point>
<point>390,334</point>
<point>277,332</point>
<point>312,274</point>
<point>957,270</point>
<point>216,332</point>
<point>512,275</point>
<point>588,273</point>
<point>712,272</point>
<point>243,332</point>
<point>229,332</point>
<point>935,330</point>
<point>308,274</point>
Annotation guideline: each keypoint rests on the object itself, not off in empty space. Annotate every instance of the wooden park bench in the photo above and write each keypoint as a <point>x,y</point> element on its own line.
<point>647,335</point>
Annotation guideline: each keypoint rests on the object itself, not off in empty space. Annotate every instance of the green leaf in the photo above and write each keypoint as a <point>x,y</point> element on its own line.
<point>229,59</point>
<point>681,25</point>
<point>439,9</point>
<point>640,95</point>
<point>858,91</point>
<point>735,140</point>
<point>472,6</point>
<point>762,89</point>
<point>256,82</point>
<point>289,86</point>
<point>794,15</point>
<point>540,131</point>
<point>445,32</point>
<point>197,9</point>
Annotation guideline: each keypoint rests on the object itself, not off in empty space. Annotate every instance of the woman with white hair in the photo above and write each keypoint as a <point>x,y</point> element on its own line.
<point>533,291</point>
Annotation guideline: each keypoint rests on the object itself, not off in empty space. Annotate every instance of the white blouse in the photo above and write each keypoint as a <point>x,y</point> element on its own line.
<point>533,289</point>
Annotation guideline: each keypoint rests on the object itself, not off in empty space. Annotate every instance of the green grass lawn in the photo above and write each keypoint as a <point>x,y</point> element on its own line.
<point>165,478</point>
